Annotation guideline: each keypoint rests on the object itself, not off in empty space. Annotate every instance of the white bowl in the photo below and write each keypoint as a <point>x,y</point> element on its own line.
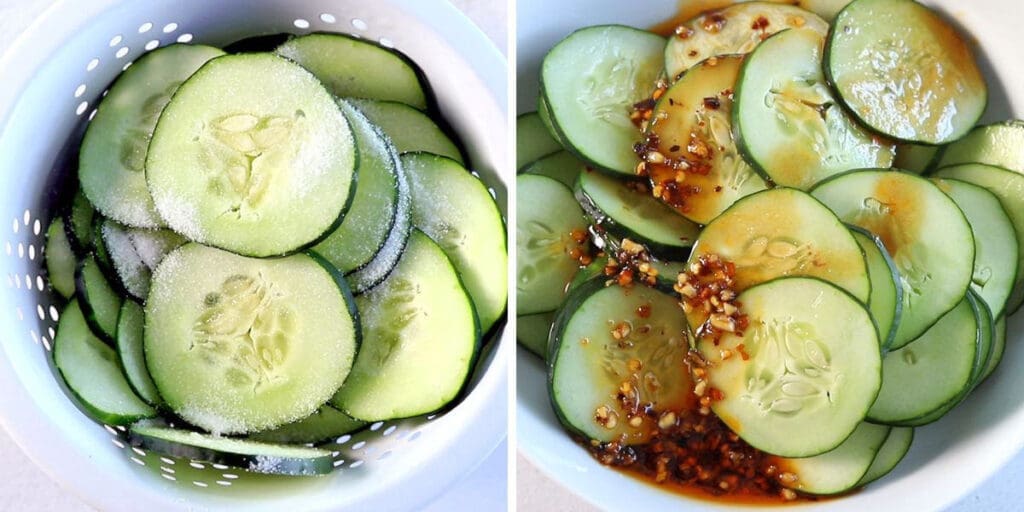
<point>948,458</point>
<point>54,75</point>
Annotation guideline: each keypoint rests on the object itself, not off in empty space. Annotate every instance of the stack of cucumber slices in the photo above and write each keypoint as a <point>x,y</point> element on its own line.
<point>788,220</point>
<point>269,249</point>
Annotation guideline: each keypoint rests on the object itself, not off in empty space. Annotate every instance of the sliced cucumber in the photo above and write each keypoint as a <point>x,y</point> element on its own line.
<point>547,217</point>
<point>420,339</point>
<point>260,43</point>
<point>562,166</point>
<point>266,136</point>
<point>409,129</point>
<point>130,327</point>
<point>112,160</point>
<point>532,139</point>
<point>995,241</point>
<point>372,215</point>
<point>326,424</point>
<point>786,120</point>
<point>923,229</point>
<point>456,210</point>
<point>132,272</point>
<point>692,123</point>
<point>628,212</point>
<point>813,367</point>
<point>532,332</point>
<point>589,367</point>
<point>102,254</point>
<point>904,71</point>
<point>153,245</point>
<point>238,345</point>
<point>998,348</point>
<point>842,468</point>
<point>594,269</point>
<point>92,373</point>
<point>358,68</point>
<point>240,453</point>
<point>99,302</point>
<point>735,29</point>
<point>78,222</point>
<point>916,158</point>
<point>590,81</point>
<point>889,455</point>
<point>783,232</point>
<point>1000,144</point>
<point>1008,186</point>
<point>60,259</point>
<point>886,300</point>
<point>932,371</point>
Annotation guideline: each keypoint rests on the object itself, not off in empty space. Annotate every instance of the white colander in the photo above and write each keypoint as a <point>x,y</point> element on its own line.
<point>53,77</point>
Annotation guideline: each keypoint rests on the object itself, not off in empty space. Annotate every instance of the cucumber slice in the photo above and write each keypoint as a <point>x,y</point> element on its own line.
<point>60,259</point>
<point>547,217</point>
<point>532,332</point>
<point>923,229</point>
<point>998,348</point>
<point>932,371</point>
<point>456,210</point>
<point>532,139</point>
<point>78,222</point>
<point>409,129</point>
<point>692,123</point>
<point>240,453</point>
<point>995,241</point>
<point>325,425</point>
<point>544,111</point>
<point>889,455</point>
<point>99,302</point>
<point>813,367</point>
<point>238,345</point>
<point>267,136</point>
<point>783,232</point>
<point>904,71</point>
<point>596,268</point>
<point>102,255</point>
<point>590,81</point>
<point>841,469</point>
<point>588,367</point>
<point>628,212</point>
<point>153,245</point>
<point>260,43</point>
<point>358,68</point>
<point>420,339</point>
<point>130,327</point>
<point>92,373</point>
<point>916,158</point>
<point>562,166</point>
<point>1008,186</point>
<point>112,160</point>
<point>1000,144</point>
<point>133,274</point>
<point>886,300</point>
<point>735,29</point>
<point>372,215</point>
<point>786,120</point>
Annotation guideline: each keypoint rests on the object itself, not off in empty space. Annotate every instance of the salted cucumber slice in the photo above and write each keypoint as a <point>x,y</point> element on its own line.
<point>326,424</point>
<point>60,259</point>
<point>130,325</point>
<point>409,129</point>
<point>238,345</point>
<point>244,140</point>
<point>812,369</point>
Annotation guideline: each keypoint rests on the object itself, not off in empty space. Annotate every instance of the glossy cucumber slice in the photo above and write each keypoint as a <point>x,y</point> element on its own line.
<point>92,372</point>
<point>409,129</point>
<point>239,345</point>
<point>267,136</point>
<point>240,453</point>
<point>890,454</point>
<point>372,215</point>
<point>112,161</point>
<point>562,166</point>
<point>99,302</point>
<point>590,82</point>
<point>548,215</point>
<point>787,121</point>
<point>812,368</point>
<point>130,328</point>
<point>999,144</point>
<point>886,300</point>
<point>904,71</point>
<point>925,232</point>
<point>588,366</point>
<point>420,339</point>
<point>692,122</point>
<point>533,140</point>
<point>840,469</point>
<point>324,425</point>
<point>735,29</point>
<point>60,259</point>
<point>354,67</point>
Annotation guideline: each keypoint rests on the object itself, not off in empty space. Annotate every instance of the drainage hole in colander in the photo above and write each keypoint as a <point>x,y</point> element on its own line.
<point>388,431</point>
<point>166,469</point>
<point>52,333</point>
<point>197,465</point>
<point>21,250</point>
<point>146,27</point>
<point>15,227</point>
<point>37,227</point>
<point>137,461</point>
<point>39,310</point>
<point>116,40</point>
<point>355,464</point>
<point>384,455</point>
<point>344,439</point>
<point>151,45</point>
<point>200,484</point>
<point>121,52</point>
<point>328,18</point>
<point>301,23</point>
<point>376,426</point>
<point>387,43</point>
<point>82,108</point>
<point>359,24</point>
<point>185,38</point>
<point>359,445</point>
<point>170,27</point>
<point>92,64</point>
<point>34,335</point>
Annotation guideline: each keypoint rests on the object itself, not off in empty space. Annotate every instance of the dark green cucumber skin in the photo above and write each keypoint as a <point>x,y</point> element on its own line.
<point>82,294</point>
<point>598,218</point>
<point>81,243</point>
<point>160,406</point>
<point>895,279</point>
<point>282,466</point>
<point>346,292</point>
<point>314,440</point>
<point>904,454</point>
<point>260,43</point>
<point>662,283</point>
<point>569,306</point>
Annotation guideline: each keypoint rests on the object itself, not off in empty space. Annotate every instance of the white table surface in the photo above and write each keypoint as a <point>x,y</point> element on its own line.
<point>25,488</point>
